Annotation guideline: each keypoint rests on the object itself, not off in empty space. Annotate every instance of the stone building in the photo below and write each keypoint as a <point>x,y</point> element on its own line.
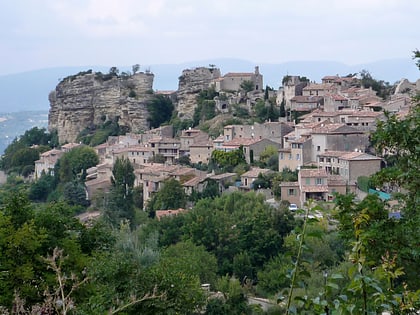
<point>232,81</point>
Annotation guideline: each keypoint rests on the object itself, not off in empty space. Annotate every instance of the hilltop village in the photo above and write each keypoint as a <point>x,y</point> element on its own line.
<point>321,131</point>
<point>225,196</point>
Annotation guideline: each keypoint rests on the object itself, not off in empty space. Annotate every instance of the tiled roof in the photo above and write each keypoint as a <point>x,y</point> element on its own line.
<point>315,188</point>
<point>240,141</point>
<point>238,74</point>
<point>359,156</point>
<point>335,128</point>
<point>254,172</point>
<point>306,99</point>
<point>311,172</point>
<point>222,176</point>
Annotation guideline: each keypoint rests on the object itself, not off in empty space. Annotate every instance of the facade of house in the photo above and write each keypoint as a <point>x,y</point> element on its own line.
<point>303,103</point>
<point>252,148</point>
<point>297,154</point>
<point>248,178</point>
<point>169,148</point>
<point>189,137</point>
<point>269,130</point>
<point>46,162</point>
<point>314,184</point>
<point>337,137</point>
<point>200,152</point>
<point>349,165</point>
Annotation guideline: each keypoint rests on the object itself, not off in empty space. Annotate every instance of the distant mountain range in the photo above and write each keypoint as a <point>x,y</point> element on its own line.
<point>29,90</point>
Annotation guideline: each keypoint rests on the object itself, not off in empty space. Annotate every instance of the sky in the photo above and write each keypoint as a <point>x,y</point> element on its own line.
<point>37,34</point>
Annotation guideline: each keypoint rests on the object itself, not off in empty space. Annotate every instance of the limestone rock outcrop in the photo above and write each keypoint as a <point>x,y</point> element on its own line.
<point>192,82</point>
<point>89,98</point>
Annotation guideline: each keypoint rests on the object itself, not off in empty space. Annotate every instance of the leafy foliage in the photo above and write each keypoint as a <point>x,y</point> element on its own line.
<point>160,110</point>
<point>170,196</point>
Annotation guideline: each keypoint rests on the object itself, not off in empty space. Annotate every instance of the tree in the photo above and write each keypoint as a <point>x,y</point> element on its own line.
<point>282,112</point>
<point>247,85</point>
<point>73,164</point>
<point>121,204</point>
<point>160,109</point>
<point>170,196</point>
<point>135,68</point>
<point>114,71</point>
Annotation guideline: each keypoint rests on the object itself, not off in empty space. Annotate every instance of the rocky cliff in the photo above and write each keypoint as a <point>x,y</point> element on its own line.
<point>88,98</point>
<point>191,82</point>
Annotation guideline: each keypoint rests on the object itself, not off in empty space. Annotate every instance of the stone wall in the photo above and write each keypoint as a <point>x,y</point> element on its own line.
<point>80,101</point>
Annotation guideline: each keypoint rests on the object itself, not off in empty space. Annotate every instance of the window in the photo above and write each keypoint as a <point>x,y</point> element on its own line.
<point>281,156</point>
<point>319,181</point>
<point>290,156</point>
<point>318,148</point>
<point>328,160</point>
<point>298,157</point>
<point>291,192</point>
<point>321,159</point>
<point>307,181</point>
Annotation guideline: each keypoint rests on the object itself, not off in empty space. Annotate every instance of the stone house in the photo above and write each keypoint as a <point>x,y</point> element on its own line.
<point>224,180</point>
<point>169,148</point>
<point>335,102</point>
<point>136,154</point>
<point>248,178</point>
<point>189,137</point>
<point>290,191</point>
<point>151,176</point>
<point>314,184</point>
<point>296,154</point>
<point>315,89</point>
<point>46,162</point>
<point>292,87</point>
<point>362,120</point>
<point>269,130</point>
<point>69,146</point>
<point>303,103</point>
<point>340,82</point>
<point>232,81</point>
<point>200,152</point>
<point>337,137</point>
<point>349,165</point>
<point>252,148</point>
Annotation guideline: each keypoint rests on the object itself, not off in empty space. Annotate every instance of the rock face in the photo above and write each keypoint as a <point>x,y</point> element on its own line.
<point>191,82</point>
<point>89,98</point>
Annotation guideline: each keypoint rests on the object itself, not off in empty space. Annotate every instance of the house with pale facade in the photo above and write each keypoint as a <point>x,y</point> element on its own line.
<point>349,165</point>
<point>337,137</point>
<point>46,162</point>
<point>248,178</point>
<point>314,184</point>
<point>200,152</point>
<point>169,148</point>
<point>269,130</point>
<point>189,137</point>
<point>301,103</point>
<point>252,148</point>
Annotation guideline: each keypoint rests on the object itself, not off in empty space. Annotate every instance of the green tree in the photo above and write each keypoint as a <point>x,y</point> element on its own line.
<point>282,112</point>
<point>247,85</point>
<point>170,196</point>
<point>73,164</point>
<point>160,110</point>
<point>74,194</point>
<point>121,204</point>
<point>135,68</point>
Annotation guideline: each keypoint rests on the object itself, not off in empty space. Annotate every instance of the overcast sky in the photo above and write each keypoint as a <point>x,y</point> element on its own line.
<point>37,34</point>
